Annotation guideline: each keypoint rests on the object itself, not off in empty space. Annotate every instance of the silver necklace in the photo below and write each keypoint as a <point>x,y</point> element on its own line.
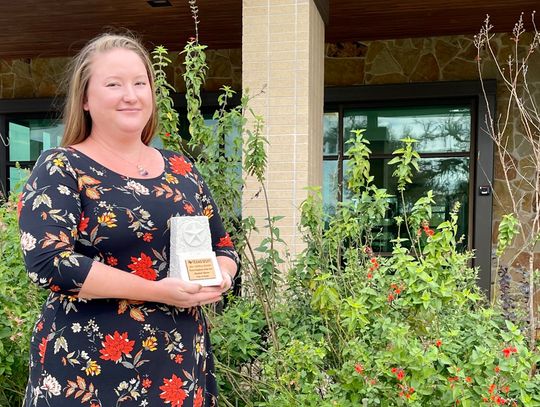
<point>142,171</point>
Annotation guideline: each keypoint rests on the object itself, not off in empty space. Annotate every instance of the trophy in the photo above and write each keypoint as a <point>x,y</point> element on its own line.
<point>192,258</point>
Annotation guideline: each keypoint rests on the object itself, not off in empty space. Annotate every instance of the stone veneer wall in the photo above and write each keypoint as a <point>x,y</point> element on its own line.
<point>42,77</point>
<point>448,59</point>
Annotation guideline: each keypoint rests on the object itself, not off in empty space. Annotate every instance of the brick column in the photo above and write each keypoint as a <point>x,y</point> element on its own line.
<point>283,53</point>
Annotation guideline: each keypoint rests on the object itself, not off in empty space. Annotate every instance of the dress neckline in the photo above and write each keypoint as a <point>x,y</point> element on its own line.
<point>88,158</point>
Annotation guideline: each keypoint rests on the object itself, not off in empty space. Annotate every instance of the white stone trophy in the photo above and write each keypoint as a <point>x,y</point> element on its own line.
<point>192,258</point>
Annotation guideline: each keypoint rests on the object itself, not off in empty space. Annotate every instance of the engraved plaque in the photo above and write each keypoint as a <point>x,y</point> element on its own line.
<point>191,257</point>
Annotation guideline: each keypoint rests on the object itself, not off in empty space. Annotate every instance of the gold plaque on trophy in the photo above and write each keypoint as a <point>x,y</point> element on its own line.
<point>200,269</point>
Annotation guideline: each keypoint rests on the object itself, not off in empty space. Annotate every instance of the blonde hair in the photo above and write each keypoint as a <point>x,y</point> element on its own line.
<point>78,123</point>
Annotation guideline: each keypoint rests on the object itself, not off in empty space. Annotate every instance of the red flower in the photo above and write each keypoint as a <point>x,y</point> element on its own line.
<point>508,351</point>
<point>391,297</point>
<point>369,275</point>
<point>400,373</point>
<point>198,402</point>
<point>172,391</point>
<point>374,264</point>
<point>83,223</point>
<point>429,232</point>
<point>42,349</point>
<point>179,165</point>
<point>468,379</point>
<point>115,346</point>
<point>189,208</point>
<point>20,204</point>
<point>497,369</point>
<point>505,389</point>
<point>112,261</point>
<point>142,267</point>
<point>146,383</point>
<point>492,388</point>
<point>225,241</point>
<point>359,368</point>
<point>147,237</point>
<point>179,359</point>
<point>167,135</point>
<point>438,344</point>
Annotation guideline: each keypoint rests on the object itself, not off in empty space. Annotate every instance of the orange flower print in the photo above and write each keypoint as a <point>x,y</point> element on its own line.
<point>42,350</point>
<point>83,223</point>
<point>208,211</point>
<point>142,267</point>
<point>179,165</point>
<point>146,383</point>
<point>147,237</point>
<point>107,219</point>
<point>198,402</point>
<point>172,391</point>
<point>179,359</point>
<point>189,208</point>
<point>116,345</point>
<point>225,241</point>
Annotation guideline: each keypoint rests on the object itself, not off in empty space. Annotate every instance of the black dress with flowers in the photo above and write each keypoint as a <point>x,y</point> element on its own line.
<point>111,352</point>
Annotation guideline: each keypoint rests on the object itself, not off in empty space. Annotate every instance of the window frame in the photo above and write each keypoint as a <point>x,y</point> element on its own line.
<point>481,150</point>
<point>54,107</point>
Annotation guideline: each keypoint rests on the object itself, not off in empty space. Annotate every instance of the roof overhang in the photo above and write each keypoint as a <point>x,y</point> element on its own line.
<point>31,28</point>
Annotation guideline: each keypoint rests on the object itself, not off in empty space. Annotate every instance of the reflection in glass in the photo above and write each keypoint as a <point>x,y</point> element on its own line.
<point>330,186</point>
<point>448,178</point>
<point>437,129</point>
<point>331,128</point>
<point>29,137</point>
<point>16,176</point>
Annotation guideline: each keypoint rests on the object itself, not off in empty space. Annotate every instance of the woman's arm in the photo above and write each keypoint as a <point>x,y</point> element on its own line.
<point>108,282</point>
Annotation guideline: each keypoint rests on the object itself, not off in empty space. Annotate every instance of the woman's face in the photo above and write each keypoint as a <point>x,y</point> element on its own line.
<point>119,95</point>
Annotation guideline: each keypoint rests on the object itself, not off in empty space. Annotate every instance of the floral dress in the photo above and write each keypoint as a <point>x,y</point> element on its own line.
<point>113,352</point>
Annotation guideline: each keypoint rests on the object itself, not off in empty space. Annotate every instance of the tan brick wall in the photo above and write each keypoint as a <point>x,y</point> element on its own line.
<point>283,53</point>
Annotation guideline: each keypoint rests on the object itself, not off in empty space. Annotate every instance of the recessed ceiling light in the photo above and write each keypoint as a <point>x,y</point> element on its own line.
<point>159,3</point>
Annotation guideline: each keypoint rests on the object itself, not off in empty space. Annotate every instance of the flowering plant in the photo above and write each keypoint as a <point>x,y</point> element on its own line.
<point>354,327</point>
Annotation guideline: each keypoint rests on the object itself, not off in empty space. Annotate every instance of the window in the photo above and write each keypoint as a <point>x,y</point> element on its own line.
<point>27,127</point>
<point>30,126</point>
<point>456,155</point>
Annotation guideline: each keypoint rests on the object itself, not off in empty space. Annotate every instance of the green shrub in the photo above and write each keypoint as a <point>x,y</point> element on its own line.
<point>352,327</point>
<point>20,303</point>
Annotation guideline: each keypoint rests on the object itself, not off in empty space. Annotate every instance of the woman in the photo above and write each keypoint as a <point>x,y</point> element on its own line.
<point>115,330</point>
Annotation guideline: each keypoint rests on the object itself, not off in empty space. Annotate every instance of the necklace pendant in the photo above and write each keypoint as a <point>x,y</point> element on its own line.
<point>142,170</point>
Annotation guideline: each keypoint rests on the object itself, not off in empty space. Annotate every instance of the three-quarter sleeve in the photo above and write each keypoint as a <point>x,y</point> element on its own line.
<point>48,220</point>
<point>221,241</point>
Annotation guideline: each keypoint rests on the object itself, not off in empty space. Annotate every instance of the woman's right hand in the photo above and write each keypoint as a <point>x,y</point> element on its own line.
<point>183,294</point>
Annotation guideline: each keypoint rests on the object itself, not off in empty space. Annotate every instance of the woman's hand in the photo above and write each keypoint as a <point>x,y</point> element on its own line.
<point>183,294</point>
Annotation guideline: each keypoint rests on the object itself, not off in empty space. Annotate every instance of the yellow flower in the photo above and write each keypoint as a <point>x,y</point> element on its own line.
<point>198,347</point>
<point>208,211</point>
<point>58,162</point>
<point>171,179</point>
<point>92,368</point>
<point>150,343</point>
<point>65,255</point>
<point>107,219</point>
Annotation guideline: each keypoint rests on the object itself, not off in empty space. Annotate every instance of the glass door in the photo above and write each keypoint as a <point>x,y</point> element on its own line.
<point>28,135</point>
